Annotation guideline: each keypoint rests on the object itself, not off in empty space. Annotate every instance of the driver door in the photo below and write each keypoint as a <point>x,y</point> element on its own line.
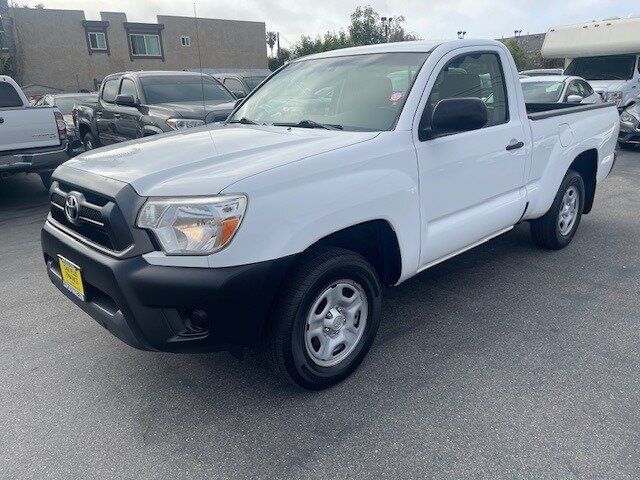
<point>471,183</point>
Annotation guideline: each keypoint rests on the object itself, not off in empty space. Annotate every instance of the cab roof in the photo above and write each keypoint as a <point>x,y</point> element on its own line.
<point>424,46</point>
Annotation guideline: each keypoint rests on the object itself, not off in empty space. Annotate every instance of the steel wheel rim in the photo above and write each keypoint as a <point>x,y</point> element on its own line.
<point>336,323</point>
<point>568,210</point>
<point>88,145</point>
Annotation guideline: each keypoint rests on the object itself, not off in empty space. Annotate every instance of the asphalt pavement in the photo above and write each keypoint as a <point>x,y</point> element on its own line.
<point>505,362</point>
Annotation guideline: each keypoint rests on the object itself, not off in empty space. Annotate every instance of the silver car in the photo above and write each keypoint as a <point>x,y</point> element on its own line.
<point>558,89</point>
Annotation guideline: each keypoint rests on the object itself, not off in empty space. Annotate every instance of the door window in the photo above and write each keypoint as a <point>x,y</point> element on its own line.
<point>110,90</point>
<point>128,87</point>
<point>477,75</point>
<point>9,98</point>
<point>233,85</point>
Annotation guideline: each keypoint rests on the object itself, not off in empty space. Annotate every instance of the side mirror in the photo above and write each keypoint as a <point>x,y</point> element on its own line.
<point>238,93</point>
<point>574,99</point>
<point>455,115</point>
<point>126,101</point>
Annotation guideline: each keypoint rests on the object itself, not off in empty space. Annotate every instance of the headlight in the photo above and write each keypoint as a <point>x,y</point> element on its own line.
<point>628,117</point>
<point>613,97</point>
<point>193,225</point>
<point>183,124</point>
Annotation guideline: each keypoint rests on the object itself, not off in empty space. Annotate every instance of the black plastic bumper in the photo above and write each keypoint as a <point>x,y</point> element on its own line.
<point>34,160</point>
<point>148,306</point>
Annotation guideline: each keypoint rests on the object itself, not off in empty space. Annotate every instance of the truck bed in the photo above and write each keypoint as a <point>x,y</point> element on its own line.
<point>538,111</point>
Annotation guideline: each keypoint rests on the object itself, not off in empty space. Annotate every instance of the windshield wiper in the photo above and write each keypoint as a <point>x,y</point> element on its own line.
<point>309,124</point>
<point>244,121</point>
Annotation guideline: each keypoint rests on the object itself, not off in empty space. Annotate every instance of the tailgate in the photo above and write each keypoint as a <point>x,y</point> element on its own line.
<point>22,128</point>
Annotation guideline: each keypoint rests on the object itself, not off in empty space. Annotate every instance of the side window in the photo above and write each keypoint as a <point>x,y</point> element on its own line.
<point>588,91</point>
<point>110,90</point>
<point>9,98</point>
<point>128,87</point>
<point>476,75</point>
<point>233,85</point>
<point>573,89</point>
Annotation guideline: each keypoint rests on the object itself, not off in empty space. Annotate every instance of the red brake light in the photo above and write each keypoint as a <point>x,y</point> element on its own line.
<point>62,127</point>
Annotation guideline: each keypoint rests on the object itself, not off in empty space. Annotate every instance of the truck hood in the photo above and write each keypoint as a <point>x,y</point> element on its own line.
<point>210,112</point>
<point>206,160</point>
<point>607,85</point>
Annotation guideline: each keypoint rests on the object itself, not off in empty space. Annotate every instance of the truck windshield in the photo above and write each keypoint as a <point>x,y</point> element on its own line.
<point>614,67</point>
<point>359,92</point>
<point>183,89</point>
<point>542,92</point>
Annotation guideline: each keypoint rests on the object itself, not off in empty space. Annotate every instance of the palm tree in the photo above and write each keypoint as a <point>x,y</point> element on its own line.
<point>271,40</point>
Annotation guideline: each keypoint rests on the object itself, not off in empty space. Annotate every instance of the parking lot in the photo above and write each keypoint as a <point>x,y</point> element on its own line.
<point>507,361</point>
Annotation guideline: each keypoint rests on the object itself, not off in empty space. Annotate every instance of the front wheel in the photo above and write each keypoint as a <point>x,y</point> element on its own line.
<point>89,142</point>
<point>557,227</point>
<point>325,319</point>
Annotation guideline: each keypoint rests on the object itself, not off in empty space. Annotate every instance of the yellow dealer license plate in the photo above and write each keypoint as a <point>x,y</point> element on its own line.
<point>71,277</point>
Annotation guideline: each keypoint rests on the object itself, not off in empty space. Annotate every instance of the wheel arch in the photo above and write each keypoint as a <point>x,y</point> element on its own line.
<point>586,164</point>
<point>375,240</point>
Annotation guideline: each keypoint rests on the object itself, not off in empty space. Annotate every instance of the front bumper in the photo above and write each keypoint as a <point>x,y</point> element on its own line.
<point>629,134</point>
<point>148,306</point>
<point>34,160</point>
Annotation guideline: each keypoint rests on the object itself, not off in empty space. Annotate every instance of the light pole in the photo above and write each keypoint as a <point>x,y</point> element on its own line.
<point>387,24</point>
<point>461,34</point>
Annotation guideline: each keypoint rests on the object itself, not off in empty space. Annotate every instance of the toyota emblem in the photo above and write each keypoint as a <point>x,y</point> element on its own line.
<point>72,208</point>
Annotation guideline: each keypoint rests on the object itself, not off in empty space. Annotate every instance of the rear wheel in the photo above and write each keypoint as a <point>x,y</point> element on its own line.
<point>325,319</point>
<point>557,227</point>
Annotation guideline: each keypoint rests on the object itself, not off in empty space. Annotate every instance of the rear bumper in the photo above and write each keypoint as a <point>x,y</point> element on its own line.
<point>149,306</point>
<point>34,160</point>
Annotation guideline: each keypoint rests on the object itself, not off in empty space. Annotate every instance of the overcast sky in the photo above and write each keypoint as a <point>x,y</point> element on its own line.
<point>430,19</point>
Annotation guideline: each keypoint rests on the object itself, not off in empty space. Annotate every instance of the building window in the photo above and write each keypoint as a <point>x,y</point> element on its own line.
<point>97,41</point>
<point>3,41</point>
<point>144,45</point>
<point>185,41</point>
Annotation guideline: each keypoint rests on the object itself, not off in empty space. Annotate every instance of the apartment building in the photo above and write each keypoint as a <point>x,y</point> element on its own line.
<point>62,50</point>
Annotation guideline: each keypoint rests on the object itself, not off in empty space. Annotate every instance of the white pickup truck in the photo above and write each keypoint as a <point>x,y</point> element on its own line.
<point>32,140</point>
<point>344,172</point>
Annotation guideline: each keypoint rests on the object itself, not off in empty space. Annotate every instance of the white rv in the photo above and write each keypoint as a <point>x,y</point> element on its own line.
<point>603,52</point>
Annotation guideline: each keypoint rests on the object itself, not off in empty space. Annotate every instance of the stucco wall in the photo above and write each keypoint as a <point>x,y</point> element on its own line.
<point>51,47</point>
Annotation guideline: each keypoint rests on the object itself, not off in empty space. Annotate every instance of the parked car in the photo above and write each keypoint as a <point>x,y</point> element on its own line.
<point>558,89</point>
<point>240,85</point>
<point>282,225</point>
<point>606,53</point>
<point>32,140</point>
<point>541,72</point>
<point>630,127</point>
<point>65,102</point>
<point>139,104</point>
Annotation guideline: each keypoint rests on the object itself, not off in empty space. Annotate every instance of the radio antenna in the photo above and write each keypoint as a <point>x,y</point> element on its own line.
<point>195,19</point>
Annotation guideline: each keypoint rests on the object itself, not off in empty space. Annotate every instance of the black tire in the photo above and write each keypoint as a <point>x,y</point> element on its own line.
<point>45,177</point>
<point>89,142</point>
<point>285,340</point>
<point>546,230</point>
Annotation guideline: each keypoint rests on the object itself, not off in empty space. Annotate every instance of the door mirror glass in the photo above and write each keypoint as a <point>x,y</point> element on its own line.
<point>126,101</point>
<point>574,99</point>
<point>455,115</point>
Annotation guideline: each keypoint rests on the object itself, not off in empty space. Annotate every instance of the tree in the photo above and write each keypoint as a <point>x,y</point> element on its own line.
<point>520,56</point>
<point>271,40</point>
<point>365,28</point>
<point>275,63</point>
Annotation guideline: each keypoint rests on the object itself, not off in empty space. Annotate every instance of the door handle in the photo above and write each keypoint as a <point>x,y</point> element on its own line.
<point>1,120</point>
<point>514,145</point>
